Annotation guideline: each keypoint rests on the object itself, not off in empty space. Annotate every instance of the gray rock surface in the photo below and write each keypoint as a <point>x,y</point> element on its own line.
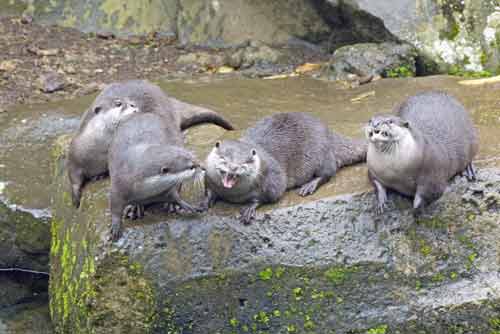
<point>450,33</point>
<point>370,59</point>
<point>321,265</point>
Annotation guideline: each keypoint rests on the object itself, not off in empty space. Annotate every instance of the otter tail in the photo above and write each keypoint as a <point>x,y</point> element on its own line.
<point>348,151</point>
<point>193,115</point>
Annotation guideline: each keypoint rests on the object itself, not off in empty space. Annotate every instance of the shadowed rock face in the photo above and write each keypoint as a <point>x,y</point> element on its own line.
<point>450,33</point>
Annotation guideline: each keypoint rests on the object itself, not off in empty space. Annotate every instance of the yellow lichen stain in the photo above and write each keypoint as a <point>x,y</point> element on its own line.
<point>141,16</point>
<point>219,248</point>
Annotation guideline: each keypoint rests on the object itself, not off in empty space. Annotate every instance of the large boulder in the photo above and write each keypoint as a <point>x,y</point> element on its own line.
<point>200,22</point>
<point>371,59</point>
<point>319,266</point>
<point>455,34</point>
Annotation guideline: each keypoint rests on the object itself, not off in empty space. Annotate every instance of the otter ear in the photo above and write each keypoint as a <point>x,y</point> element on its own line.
<point>97,110</point>
<point>217,144</point>
<point>253,152</point>
<point>164,170</point>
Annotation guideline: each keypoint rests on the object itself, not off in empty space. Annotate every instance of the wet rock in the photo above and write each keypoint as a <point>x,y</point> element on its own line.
<point>371,59</point>
<point>43,52</point>
<point>105,35</point>
<point>25,238</point>
<point>12,292</point>
<point>26,19</point>
<point>31,317</point>
<point>330,264</point>
<point>51,82</point>
<point>7,66</point>
<point>201,59</point>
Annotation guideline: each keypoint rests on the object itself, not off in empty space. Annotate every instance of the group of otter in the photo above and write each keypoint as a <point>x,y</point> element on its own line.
<point>133,132</point>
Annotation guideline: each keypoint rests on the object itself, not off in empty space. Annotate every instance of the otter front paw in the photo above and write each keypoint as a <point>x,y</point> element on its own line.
<point>247,214</point>
<point>380,209</point>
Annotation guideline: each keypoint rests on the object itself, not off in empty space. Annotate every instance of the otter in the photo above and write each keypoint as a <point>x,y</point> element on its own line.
<point>280,152</point>
<point>415,152</point>
<point>147,165</point>
<point>88,152</point>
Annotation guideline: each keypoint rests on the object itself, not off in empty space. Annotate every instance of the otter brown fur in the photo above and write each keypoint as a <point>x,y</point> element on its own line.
<point>429,140</point>
<point>147,164</point>
<point>280,152</point>
<point>88,151</point>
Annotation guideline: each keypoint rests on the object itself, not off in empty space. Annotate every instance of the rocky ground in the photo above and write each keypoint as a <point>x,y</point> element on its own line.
<point>47,63</point>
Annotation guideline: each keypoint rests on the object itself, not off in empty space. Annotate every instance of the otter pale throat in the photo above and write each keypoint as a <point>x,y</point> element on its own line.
<point>88,153</point>
<point>415,152</point>
<point>280,152</point>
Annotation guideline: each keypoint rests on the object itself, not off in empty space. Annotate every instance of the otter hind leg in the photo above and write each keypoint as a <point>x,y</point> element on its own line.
<point>117,208</point>
<point>327,169</point>
<point>427,193</point>
<point>311,186</point>
<point>134,211</point>
<point>470,172</point>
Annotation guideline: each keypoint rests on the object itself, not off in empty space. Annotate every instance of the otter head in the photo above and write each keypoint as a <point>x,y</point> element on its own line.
<point>384,131</point>
<point>111,111</point>
<point>164,168</point>
<point>234,161</point>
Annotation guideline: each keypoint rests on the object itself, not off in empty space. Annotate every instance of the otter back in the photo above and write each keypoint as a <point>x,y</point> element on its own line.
<point>446,127</point>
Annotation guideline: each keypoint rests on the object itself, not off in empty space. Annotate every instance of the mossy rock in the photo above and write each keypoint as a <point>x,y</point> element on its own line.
<point>325,265</point>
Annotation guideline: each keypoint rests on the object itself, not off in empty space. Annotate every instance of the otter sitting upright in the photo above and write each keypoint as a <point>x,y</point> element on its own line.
<point>280,152</point>
<point>429,140</point>
<point>88,151</point>
<point>147,164</point>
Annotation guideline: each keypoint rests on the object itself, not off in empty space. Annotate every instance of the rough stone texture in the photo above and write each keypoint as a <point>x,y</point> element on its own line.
<point>193,21</point>
<point>370,59</point>
<point>449,32</point>
<point>24,238</point>
<point>325,265</point>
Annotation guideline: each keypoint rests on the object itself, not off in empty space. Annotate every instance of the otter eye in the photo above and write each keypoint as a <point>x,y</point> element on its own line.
<point>385,134</point>
<point>132,105</point>
<point>390,121</point>
<point>164,170</point>
<point>217,144</point>
<point>118,103</point>
<point>254,152</point>
<point>97,110</point>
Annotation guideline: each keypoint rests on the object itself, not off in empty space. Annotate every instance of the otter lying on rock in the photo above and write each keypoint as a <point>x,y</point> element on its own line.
<point>430,139</point>
<point>147,164</point>
<point>88,153</point>
<point>280,152</point>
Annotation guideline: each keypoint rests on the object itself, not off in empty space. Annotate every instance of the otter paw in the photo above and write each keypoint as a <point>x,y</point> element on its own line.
<point>308,188</point>
<point>381,207</point>
<point>134,212</point>
<point>116,232</point>
<point>247,215</point>
<point>172,208</point>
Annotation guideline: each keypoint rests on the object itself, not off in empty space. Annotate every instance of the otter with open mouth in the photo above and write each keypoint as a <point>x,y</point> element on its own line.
<point>88,152</point>
<point>415,152</point>
<point>147,165</point>
<point>280,152</point>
